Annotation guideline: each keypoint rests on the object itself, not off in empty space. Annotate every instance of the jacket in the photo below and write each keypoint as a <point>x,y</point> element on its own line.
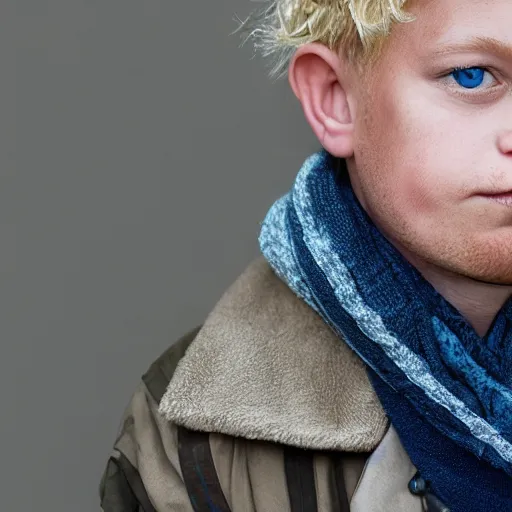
<point>279,406</point>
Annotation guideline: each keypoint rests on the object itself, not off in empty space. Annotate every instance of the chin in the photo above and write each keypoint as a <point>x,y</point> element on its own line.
<point>485,259</point>
<point>500,275</point>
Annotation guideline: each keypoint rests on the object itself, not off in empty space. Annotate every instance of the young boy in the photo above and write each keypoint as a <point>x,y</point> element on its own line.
<point>364,361</point>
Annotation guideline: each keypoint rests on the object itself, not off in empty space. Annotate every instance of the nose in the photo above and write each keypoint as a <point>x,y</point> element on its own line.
<point>505,142</point>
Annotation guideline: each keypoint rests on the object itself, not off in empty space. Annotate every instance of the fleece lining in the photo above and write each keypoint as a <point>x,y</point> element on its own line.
<point>266,366</point>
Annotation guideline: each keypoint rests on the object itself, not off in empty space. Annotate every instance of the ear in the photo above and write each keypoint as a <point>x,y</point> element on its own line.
<point>315,77</point>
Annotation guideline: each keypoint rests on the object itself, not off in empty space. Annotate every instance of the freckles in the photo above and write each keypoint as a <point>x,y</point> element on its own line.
<point>418,192</point>
<point>489,258</point>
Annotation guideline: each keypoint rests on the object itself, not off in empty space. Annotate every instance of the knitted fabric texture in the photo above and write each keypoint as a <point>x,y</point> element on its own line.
<point>425,360</point>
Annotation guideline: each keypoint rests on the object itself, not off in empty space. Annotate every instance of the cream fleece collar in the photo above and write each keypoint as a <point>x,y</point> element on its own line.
<point>265,366</point>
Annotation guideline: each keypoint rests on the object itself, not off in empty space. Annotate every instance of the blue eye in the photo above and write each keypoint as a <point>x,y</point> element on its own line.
<point>469,77</point>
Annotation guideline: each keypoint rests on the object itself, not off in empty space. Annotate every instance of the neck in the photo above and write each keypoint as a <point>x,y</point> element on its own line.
<point>479,302</point>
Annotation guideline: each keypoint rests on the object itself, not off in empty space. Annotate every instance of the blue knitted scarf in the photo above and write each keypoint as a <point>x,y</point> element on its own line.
<point>446,390</point>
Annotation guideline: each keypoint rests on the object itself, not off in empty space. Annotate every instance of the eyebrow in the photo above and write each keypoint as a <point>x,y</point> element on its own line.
<point>477,44</point>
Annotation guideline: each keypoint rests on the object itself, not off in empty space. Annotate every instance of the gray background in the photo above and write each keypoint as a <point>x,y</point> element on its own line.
<point>141,148</point>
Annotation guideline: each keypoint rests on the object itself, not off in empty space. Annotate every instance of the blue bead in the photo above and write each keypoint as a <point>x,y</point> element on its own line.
<point>417,485</point>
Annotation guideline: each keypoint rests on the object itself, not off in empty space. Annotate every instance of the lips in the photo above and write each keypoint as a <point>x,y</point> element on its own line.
<point>495,194</point>
<point>504,198</point>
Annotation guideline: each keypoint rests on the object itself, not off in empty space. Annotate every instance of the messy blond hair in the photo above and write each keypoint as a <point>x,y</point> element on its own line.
<point>356,28</point>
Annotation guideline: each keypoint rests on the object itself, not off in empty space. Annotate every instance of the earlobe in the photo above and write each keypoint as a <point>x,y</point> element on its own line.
<point>314,76</point>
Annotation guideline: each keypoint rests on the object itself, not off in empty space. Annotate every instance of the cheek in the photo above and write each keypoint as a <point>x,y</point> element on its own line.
<point>412,158</point>
<point>421,190</point>
<point>395,165</point>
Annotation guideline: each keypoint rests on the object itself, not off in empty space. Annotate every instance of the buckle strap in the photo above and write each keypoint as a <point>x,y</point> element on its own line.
<point>341,503</point>
<point>300,478</point>
<point>199,473</point>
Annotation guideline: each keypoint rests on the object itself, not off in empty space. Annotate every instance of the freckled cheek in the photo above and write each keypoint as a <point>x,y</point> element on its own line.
<point>420,167</point>
<point>418,195</point>
<point>418,179</point>
<point>408,159</point>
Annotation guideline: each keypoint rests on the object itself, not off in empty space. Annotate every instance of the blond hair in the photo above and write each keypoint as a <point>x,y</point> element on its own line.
<point>356,28</point>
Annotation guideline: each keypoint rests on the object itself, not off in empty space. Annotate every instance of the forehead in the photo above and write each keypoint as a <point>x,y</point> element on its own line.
<point>441,23</point>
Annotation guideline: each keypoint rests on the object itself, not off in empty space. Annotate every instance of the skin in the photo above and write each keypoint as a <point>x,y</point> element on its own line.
<point>420,147</point>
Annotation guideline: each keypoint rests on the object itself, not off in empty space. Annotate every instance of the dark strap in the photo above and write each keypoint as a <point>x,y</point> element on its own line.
<point>161,371</point>
<point>199,472</point>
<point>122,489</point>
<point>434,504</point>
<point>300,477</point>
<point>340,496</point>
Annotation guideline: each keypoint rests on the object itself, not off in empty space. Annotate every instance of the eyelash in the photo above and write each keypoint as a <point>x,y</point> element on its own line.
<point>464,92</point>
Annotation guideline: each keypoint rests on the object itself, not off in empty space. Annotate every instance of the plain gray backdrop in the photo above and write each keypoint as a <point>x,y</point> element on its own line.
<point>141,149</point>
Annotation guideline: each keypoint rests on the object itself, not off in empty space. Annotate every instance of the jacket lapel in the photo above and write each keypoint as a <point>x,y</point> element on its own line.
<point>384,482</point>
<point>265,366</point>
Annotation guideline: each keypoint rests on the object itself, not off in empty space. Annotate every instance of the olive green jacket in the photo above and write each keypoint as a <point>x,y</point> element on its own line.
<point>264,375</point>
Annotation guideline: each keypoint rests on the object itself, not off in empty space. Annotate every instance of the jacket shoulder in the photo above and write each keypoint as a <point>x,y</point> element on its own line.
<point>128,482</point>
<point>160,373</point>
